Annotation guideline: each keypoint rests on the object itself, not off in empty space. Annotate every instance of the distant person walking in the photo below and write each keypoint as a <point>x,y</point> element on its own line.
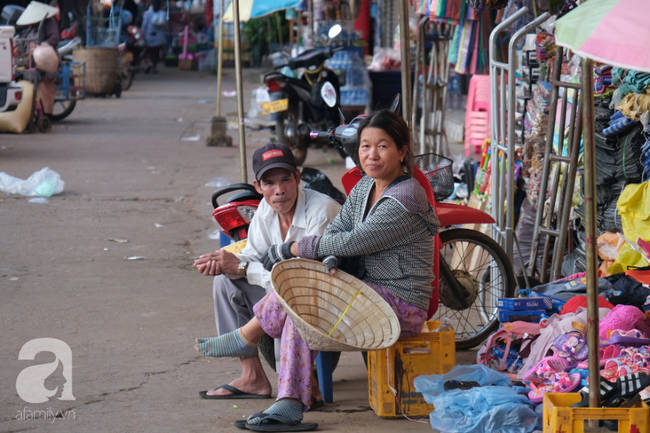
<point>154,25</point>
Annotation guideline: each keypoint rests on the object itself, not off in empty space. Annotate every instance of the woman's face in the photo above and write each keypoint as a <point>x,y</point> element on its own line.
<point>379,156</point>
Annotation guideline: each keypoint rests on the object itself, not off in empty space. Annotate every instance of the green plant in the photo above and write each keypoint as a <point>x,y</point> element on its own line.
<point>256,35</point>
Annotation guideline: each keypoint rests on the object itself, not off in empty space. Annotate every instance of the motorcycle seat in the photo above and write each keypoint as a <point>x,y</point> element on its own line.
<point>313,57</point>
<point>243,196</point>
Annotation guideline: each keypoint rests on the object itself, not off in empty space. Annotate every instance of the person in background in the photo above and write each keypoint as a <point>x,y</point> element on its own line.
<point>28,24</point>
<point>154,25</point>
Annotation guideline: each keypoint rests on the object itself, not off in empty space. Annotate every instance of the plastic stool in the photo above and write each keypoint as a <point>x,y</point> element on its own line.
<point>477,117</point>
<point>324,368</point>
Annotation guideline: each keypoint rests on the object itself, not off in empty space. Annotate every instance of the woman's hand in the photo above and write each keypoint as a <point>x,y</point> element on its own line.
<point>277,253</point>
<point>331,262</point>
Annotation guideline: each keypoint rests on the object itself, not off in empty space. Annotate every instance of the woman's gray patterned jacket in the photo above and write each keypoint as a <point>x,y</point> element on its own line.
<point>394,241</point>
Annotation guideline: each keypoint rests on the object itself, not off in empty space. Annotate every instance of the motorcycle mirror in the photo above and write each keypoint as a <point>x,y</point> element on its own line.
<point>328,93</point>
<point>335,30</point>
<point>394,107</point>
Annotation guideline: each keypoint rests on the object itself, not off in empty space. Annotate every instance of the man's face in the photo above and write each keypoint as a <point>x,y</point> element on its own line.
<point>279,188</point>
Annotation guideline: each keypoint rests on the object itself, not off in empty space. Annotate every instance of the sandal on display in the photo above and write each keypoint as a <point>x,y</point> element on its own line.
<point>634,338</point>
<point>560,382</point>
<point>607,389</point>
<point>545,368</point>
<point>572,344</point>
<point>627,387</point>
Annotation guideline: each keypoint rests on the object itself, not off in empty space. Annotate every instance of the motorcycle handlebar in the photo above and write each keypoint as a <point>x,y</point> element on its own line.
<point>319,134</point>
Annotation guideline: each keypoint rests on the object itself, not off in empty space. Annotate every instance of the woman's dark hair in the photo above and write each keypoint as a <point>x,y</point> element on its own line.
<point>156,4</point>
<point>393,125</point>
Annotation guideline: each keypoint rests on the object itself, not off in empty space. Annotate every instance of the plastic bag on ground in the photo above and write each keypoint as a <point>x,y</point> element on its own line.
<point>434,384</point>
<point>43,183</point>
<point>485,409</point>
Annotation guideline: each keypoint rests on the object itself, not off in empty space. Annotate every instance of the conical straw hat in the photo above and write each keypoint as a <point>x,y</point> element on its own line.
<point>35,12</point>
<point>319,304</point>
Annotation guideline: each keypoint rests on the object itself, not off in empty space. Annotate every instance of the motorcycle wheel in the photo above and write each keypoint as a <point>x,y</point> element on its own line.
<point>127,79</point>
<point>286,130</point>
<point>483,268</point>
<point>62,109</point>
<point>266,347</point>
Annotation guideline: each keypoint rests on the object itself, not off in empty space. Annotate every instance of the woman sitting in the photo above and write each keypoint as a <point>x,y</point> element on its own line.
<point>387,224</point>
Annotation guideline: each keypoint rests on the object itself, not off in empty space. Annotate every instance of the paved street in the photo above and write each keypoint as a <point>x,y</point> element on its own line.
<point>131,324</point>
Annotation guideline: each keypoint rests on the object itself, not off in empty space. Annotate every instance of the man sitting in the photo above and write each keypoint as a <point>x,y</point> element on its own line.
<point>286,214</point>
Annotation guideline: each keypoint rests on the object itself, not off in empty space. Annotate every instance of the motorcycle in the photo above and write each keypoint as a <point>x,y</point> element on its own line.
<point>472,270</point>
<point>130,52</point>
<point>296,104</point>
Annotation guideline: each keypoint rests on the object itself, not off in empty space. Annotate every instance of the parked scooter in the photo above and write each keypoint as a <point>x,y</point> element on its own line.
<point>472,270</point>
<point>130,52</point>
<point>297,106</point>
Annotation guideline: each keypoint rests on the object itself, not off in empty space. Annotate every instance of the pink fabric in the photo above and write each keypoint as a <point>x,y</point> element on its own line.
<point>623,317</point>
<point>297,360</point>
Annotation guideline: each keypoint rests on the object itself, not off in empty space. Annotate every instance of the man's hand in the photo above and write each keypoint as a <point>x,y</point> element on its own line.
<point>217,263</point>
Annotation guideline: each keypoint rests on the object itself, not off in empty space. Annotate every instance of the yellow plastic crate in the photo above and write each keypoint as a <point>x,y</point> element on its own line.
<point>397,367</point>
<point>559,417</point>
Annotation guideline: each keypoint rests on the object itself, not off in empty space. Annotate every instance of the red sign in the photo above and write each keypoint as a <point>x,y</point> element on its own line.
<point>272,154</point>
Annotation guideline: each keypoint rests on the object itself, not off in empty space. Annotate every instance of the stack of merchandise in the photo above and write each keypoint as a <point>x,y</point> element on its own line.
<point>536,125</point>
<point>603,79</point>
<point>531,310</point>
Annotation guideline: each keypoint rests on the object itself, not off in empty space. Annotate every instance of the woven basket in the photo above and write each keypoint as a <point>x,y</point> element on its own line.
<point>101,68</point>
<point>316,300</point>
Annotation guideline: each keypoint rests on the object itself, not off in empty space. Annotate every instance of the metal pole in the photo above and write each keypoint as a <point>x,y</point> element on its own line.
<point>587,103</point>
<point>310,24</point>
<point>240,94</point>
<point>405,48</point>
<point>220,59</point>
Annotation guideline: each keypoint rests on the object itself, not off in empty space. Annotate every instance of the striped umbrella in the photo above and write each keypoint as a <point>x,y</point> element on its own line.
<point>615,32</point>
<point>258,8</point>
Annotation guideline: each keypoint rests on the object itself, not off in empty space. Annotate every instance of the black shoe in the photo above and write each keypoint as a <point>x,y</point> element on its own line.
<point>457,384</point>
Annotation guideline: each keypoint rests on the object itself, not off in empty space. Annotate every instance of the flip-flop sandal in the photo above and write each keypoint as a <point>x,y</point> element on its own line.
<point>236,394</point>
<point>607,389</point>
<point>628,386</point>
<point>279,423</point>
<point>316,404</point>
<point>632,338</point>
<point>572,344</point>
<point>562,382</point>
<point>241,424</point>
<point>545,368</point>
<point>458,384</point>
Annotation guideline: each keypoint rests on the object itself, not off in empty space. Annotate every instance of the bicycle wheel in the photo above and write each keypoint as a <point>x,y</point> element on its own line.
<point>62,109</point>
<point>483,268</point>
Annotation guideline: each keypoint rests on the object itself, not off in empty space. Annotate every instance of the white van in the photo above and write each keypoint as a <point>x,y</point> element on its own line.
<point>10,92</point>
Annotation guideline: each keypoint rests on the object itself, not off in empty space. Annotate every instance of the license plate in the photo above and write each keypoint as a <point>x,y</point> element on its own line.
<point>275,106</point>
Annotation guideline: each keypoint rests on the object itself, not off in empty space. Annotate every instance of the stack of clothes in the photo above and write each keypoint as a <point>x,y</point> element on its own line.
<point>603,79</point>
